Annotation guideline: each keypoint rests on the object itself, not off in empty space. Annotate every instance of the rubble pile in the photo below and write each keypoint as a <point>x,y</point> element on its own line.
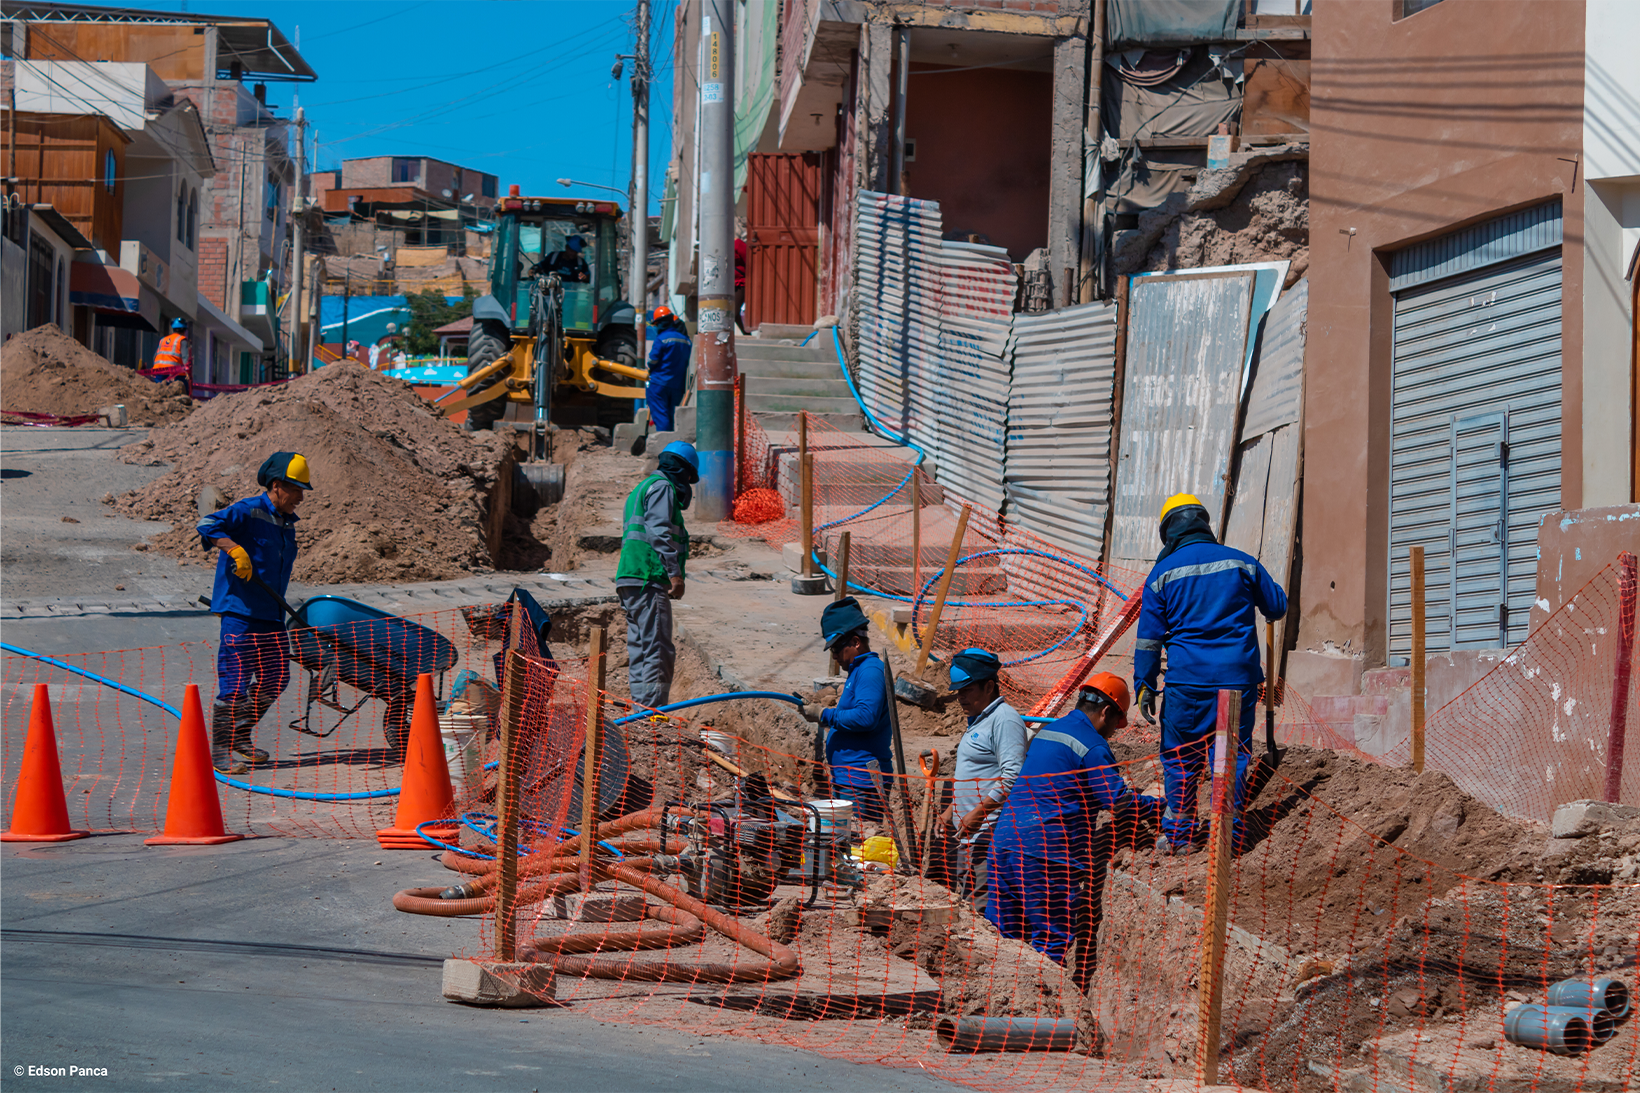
<point>44,371</point>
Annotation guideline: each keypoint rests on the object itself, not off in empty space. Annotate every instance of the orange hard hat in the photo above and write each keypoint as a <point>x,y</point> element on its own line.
<point>661,312</point>
<point>1113,687</point>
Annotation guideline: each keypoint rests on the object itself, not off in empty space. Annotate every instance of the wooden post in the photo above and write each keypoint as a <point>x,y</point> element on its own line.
<point>592,753</point>
<point>805,478</point>
<point>1215,913</point>
<point>916,533</point>
<point>926,640</point>
<point>1626,593</point>
<point>1418,658</point>
<point>506,805</point>
<point>740,434</point>
<point>842,583</point>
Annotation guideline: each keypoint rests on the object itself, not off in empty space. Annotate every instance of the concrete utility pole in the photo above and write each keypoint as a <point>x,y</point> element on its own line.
<point>638,285</point>
<point>299,216</point>
<point>715,389</point>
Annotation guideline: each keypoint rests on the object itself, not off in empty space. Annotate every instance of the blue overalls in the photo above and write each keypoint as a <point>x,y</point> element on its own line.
<point>860,733</point>
<point>1199,603</point>
<point>668,371</point>
<point>253,656</point>
<point>1047,868</point>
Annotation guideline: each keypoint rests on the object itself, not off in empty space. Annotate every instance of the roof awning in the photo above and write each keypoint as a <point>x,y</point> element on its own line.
<point>460,326</point>
<point>115,294</point>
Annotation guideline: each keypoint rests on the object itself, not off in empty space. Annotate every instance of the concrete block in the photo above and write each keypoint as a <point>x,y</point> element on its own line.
<point>628,437</point>
<point>596,907</point>
<point>114,415</point>
<point>792,555</point>
<point>1577,819</point>
<point>817,585</point>
<point>640,417</point>
<point>499,983</point>
<point>915,692</point>
<point>822,682</point>
<point>683,422</point>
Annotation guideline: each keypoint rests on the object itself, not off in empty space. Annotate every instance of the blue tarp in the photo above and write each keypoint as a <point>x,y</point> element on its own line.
<point>1170,22</point>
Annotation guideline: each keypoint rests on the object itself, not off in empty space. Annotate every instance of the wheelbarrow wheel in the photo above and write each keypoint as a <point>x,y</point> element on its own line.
<point>396,726</point>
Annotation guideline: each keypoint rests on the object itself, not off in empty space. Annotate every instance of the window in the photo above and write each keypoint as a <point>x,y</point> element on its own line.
<point>406,170</point>
<point>1405,8</point>
<point>182,213</point>
<point>110,170</point>
<point>40,258</point>
<point>193,220</point>
<point>486,185</point>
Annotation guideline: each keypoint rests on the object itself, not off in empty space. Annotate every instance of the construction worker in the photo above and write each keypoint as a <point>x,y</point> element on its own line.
<point>257,538</point>
<point>569,264</point>
<point>171,358</point>
<point>650,574</point>
<point>1048,863</point>
<point>668,367</point>
<point>1199,602</point>
<point>988,759</point>
<point>860,732</point>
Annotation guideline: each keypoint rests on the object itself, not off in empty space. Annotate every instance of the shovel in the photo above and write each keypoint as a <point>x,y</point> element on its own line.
<point>1265,768</point>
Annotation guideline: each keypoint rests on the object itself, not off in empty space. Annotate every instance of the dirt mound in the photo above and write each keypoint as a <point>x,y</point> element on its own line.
<point>400,494</point>
<point>44,371</point>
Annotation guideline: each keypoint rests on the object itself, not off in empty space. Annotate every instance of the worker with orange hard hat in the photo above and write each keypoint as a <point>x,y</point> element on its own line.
<point>1047,864</point>
<point>1199,603</point>
<point>668,367</point>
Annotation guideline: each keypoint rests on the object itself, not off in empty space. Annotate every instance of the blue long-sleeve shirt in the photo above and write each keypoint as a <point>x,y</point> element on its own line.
<point>669,358</point>
<point>1068,778</point>
<point>269,537</point>
<point>859,724</point>
<point>1199,603</point>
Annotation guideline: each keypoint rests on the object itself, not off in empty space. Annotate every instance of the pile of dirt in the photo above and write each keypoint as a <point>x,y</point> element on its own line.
<point>400,494</point>
<point>44,371</point>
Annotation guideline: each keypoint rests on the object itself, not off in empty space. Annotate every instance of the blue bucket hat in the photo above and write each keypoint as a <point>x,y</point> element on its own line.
<point>973,666</point>
<point>840,619</point>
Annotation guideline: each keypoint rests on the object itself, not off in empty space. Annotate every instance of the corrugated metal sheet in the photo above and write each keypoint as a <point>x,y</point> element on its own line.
<point>1477,246</point>
<point>1057,479</point>
<point>1278,376</point>
<point>1484,344</point>
<point>933,332</point>
<point>1187,338</point>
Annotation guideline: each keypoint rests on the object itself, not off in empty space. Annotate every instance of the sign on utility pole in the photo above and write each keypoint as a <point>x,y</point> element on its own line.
<point>715,387</point>
<point>638,283</point>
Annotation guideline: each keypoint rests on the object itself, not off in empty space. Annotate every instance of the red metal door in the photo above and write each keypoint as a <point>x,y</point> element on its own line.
<point>783,215</point>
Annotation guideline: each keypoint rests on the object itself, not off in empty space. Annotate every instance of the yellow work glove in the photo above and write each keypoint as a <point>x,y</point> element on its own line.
<point>241,562</point>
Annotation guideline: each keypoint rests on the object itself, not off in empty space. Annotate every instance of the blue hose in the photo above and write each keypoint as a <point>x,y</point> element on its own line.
<point>871,418</point>
<point>104,680</point>
<point>726,696</point>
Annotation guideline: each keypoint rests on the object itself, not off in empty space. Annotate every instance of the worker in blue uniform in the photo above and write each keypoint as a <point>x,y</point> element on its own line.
<point>668,367</point>
<point>1198,603</point>
<point>257,538</point>
<point>860,732</point>
<point>569,264</point>
<point>1048,861</point>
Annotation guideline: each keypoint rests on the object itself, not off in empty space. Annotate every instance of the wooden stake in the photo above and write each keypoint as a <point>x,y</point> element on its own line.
<point>805,475</point>
<point>926,641</point>
<point>740,434</point>
<point>1418,659</point>
<point>1628,585</point>
<point>513,687</point>
<point>592,753</point>
<point>842,584</point>
<point>1215,913</point>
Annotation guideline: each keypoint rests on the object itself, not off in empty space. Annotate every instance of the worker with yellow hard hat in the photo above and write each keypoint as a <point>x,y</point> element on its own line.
<point>257,538</point>
<point>1199,603</point>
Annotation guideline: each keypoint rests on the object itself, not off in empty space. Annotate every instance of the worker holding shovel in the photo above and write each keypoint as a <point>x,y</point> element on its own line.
<point>1199,602</point>
<point>257,538</point>
<point>860,735</point>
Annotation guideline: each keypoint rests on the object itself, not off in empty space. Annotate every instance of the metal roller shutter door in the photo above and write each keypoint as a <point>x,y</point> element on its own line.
<point>1475,449</point>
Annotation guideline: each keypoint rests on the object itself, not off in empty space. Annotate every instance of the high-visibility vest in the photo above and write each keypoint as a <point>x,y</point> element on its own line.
<point>170,353</point>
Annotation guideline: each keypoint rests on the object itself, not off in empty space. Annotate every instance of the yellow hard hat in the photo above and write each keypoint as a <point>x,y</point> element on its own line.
<point>1178,501</point>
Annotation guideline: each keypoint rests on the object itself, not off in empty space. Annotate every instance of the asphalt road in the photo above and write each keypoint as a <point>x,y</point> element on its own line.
<point>269,963</point>
<point>279,963</point>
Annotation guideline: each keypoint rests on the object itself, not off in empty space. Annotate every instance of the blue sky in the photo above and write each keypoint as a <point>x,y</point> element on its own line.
<point>518,88</point>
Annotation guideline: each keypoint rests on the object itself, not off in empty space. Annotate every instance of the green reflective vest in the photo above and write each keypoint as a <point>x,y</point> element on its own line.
<point>639,559</point>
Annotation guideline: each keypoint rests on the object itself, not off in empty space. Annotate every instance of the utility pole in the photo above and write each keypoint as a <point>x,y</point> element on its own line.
<point>299,211</point>
<point>715,389</point>
<point>638,212</point>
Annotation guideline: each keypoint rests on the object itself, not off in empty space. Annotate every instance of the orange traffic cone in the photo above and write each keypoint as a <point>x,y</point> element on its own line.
<point>39,812</point>
<point>193,814</point>
<point>424,792</point>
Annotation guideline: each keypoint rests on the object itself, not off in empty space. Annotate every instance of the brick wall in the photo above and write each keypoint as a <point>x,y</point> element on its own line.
<point>213,272</point>
<point>376,171</point>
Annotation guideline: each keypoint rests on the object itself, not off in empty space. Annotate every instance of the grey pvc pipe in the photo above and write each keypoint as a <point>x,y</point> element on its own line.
<point>1006,1033</point>
<point>1558,1030</point>
<point>1611,995</point>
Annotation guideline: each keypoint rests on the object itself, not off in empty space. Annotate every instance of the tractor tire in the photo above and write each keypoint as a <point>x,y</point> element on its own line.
<point>488,343</point>
<point>618,344</point>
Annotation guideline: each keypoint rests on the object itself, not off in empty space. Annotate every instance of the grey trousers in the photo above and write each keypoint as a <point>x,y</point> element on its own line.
<point>650,654</point>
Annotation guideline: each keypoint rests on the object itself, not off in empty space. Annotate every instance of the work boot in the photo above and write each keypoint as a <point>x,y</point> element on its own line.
<point>255,754</point>
<point>223,761</point>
